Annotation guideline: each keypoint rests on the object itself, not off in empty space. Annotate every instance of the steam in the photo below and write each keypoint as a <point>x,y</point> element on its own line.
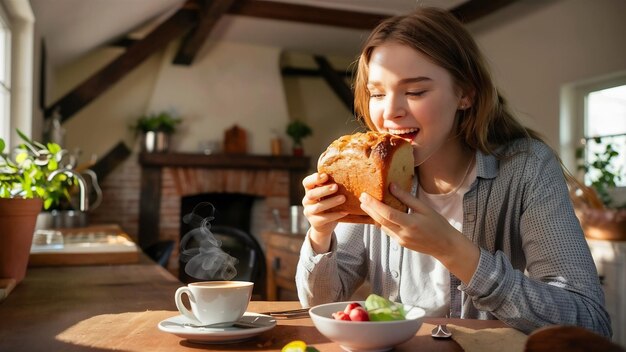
<point>204,258</point>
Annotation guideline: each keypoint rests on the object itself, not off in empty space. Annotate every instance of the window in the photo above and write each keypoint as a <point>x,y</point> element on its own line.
<point>5,76</point>
<point>593,115</point>
<point>604,125</point>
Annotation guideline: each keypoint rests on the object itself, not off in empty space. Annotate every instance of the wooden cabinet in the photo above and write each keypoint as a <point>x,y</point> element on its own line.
<point>282,251</point>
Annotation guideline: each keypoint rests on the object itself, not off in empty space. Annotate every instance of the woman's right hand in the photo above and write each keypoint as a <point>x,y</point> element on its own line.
<point>317,200</point>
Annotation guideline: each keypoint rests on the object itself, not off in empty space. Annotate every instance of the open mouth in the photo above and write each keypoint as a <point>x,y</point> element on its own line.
<point>405,133</point>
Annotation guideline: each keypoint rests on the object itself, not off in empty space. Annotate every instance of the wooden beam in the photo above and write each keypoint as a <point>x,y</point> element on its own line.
<point>467,12</point>
<point>111,160</point>
<point>336,82</point>
<point>307,72</point>
<point>306,14</point>
<point>125,42</point>
<point>102,80</point>
<point>210,12</point>
<point>149,206</point>
<point>475,9</point>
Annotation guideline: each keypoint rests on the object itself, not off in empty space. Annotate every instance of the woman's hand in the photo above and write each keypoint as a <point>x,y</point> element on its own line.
<point>426,231</point>
<point>317,200</point>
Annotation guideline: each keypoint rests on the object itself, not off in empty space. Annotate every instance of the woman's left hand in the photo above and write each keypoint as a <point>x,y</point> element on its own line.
<point>424,230</point>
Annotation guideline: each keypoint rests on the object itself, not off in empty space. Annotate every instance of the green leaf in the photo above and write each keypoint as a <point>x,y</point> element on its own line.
<point>52,164</point>
<point>23,136</point>
<point>382,309</point>
<point>2,145</point>
<point>21,157</point>
<point>54,148</point>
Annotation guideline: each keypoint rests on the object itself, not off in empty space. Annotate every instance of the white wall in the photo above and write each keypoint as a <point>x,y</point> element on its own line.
<point>537,47</point>
<point>228,84</point>
<point>103,123</point>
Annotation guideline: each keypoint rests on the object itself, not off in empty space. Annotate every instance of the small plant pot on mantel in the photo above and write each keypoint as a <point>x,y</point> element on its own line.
<point>155,142</point>
<point>298,150</point>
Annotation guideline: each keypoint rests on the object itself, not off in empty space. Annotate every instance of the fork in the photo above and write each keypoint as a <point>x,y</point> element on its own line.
<point>290,313</point>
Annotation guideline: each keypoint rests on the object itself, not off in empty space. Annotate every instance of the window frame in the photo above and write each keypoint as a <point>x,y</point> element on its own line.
<point>5,86</point>
<point>573,113</point>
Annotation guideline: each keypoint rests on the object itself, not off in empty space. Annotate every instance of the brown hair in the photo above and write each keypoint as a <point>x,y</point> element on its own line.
<point>442,38</point>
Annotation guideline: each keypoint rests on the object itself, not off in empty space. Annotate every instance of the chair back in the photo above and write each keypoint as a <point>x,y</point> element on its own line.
<point>160,252</point>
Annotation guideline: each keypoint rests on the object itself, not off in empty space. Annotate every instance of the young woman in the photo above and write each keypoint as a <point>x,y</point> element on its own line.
<point>491,232</point>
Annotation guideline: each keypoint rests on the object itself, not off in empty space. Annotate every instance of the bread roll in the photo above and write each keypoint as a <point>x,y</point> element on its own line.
<point>367,162</point>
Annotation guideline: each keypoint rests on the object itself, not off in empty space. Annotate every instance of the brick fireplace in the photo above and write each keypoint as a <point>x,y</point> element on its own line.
<point>275,181</point>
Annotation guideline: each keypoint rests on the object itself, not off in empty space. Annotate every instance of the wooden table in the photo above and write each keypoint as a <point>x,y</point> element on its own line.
<point>52,300</point>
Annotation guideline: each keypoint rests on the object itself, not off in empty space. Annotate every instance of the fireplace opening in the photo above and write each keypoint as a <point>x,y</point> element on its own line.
<point>231,209</point>
<point>232,226</point>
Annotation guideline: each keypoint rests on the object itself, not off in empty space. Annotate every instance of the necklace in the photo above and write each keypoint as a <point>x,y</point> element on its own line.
<point>458,187</point>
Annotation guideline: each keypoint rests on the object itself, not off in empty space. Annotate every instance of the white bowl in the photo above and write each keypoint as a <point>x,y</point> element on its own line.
<point>364,336</point>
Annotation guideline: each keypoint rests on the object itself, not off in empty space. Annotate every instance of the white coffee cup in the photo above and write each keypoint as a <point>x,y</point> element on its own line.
<point>215,301</point>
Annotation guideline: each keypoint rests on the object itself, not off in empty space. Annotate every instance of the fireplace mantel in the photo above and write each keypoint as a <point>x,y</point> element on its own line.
<point>224,161</point>
<point>152,165</point>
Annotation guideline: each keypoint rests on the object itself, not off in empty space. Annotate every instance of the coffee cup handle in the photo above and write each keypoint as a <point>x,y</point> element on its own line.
<point>181,307</point>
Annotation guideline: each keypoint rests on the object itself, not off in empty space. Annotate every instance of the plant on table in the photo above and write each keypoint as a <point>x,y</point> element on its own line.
<point>26,174</point>
<point>24,184</point>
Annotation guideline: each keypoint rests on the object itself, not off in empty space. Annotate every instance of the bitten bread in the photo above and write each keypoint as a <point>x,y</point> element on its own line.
<point>367,162</point>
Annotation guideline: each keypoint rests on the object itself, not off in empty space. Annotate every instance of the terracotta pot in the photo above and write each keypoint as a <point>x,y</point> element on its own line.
<point>298,151</point>
<point>17,224</point>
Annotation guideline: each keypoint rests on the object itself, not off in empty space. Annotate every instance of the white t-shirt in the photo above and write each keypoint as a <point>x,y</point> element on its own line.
<point>435,291</point>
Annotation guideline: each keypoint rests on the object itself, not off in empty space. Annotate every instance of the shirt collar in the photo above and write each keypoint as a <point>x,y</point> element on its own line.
<point>486,165</point>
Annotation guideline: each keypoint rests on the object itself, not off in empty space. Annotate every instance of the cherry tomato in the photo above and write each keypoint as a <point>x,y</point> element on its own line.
<point>359,314</point>
<point>351,306</point>
<point>341,316</point>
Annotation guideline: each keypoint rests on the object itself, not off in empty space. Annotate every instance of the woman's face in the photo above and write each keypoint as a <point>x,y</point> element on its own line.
<point>412,97</point>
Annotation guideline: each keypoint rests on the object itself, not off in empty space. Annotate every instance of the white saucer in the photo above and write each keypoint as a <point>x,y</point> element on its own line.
<point>174,325</point>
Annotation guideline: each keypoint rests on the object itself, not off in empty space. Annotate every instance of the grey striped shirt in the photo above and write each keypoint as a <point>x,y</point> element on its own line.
<point>535,267</point>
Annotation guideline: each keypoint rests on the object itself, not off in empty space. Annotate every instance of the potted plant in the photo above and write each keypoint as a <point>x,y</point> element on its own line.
<point>298,130</point>
<point>24,191</point>
<point>595,207</point>
<point>156,129</point>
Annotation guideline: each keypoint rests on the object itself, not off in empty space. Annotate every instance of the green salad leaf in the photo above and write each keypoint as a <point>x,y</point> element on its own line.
<point>382,309</point>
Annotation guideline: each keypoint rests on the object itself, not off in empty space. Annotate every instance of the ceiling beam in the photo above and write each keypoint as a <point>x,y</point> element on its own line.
<point>307,14</point>
<point>336,82</point>
<point>106,77</point>
<point>466,12</point>
<point>112,159</point>
<point>475,9</point>
<point>308,72</point>
<point>210,12</point>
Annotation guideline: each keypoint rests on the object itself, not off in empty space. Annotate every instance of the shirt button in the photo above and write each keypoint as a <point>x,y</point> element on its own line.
<point>394,247</point>
<point>394,274</point>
